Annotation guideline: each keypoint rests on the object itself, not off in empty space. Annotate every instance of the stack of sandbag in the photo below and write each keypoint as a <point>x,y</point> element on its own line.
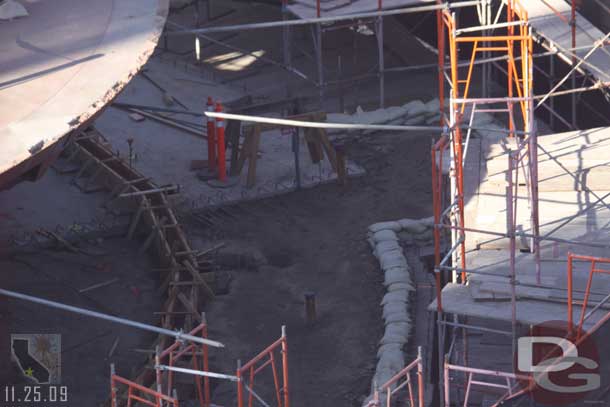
<point>413,113</point>
<point>385,242</point>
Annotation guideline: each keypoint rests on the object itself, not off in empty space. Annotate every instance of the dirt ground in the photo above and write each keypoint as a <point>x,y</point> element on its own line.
<point>314,241</point>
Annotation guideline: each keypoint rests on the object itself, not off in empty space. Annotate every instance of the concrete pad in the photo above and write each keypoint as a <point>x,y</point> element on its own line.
<point>457,300</point>
<point>63,63</point>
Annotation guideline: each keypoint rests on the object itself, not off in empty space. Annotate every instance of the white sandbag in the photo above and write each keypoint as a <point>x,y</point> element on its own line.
<point>415,108</point>
<point>433,106</point>
<point>392,363</point>
<point>427,222</point>
<point>396,335</point>
<point>393,307</point>
<point>398,328</point>
<point>398,316</point>
<point>392,348</point>
<point>415,120</point>
<point>424,236</point>
<point>396,275</point>
<point>392,260</point>
<point>412,226</point>
<point>399,287</point>
<point>387,246</point>
<point>394,296</point>
<point>392,225</point>
<point>385,234</point>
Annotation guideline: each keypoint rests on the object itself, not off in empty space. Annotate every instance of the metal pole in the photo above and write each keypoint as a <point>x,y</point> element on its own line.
<point>575,67</point>
<point>510,225</point>
<point>198,372</point>
<point>94,314</point>
<point>319,125</point>
<point>420,378</point>
<point>113,395</point>
<point>285,367</point>
<point>551,79</point>
<point>381,62</point>
<point>286,35</point>
<point>573,27</point>
<point>320,62</point>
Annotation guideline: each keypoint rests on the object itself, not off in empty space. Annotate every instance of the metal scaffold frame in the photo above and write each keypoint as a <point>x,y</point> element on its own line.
<point>516,43</point>
<point>386,394</point>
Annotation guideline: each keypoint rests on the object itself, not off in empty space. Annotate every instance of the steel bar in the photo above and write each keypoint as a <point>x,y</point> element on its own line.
<point>529,235</point>
<point>94,314</point>
<point>197,372</point>
<point>450,252</point>
<point>324,20</point>
<point>581,61</point>
<point>488,27</point>
<point>476,328</point>
<point>319,125</point>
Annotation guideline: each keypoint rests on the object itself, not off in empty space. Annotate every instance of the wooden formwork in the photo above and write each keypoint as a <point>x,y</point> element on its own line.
<point>186,280</point>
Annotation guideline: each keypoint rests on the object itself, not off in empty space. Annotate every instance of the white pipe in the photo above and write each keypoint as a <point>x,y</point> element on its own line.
<point>198,372</point>
<point>318,125</point>
<point>82,311</point>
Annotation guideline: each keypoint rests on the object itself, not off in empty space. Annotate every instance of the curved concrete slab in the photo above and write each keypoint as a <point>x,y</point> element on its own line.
<point>59,66</point>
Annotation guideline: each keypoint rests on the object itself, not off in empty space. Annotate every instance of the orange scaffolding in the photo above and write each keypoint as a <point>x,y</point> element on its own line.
<point>517,45</point>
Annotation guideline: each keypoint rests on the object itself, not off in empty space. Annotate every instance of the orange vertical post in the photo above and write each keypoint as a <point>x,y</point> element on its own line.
<point>509,68</point>
<point>440,32</point>
<point>220,145</point>
<point>211,136</point>
<point>240,389</point>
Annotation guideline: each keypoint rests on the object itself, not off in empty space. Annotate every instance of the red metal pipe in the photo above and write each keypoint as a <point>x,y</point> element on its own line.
<point>142,388</point>
<point>262,354</point>
<point>285,368</point>
<point>220,144</point>
<point>318,9</point>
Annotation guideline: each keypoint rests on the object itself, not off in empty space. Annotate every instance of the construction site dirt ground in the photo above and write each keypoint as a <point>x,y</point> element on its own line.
<point>310,240</point>
<point>315,241</point>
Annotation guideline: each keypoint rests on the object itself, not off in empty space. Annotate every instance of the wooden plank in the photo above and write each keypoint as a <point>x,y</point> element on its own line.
<point>253,156</point>
<point>136,218</point>
<point>328,148</point>
<point>153,233</point>
<point>197,277</point>
<point>189,306</point>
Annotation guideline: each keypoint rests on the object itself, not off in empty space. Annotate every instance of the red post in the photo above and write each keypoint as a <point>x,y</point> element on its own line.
<point>211,136</point>
<point>285,367</point>
<point>220,145</point>
<point>318,9</point>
